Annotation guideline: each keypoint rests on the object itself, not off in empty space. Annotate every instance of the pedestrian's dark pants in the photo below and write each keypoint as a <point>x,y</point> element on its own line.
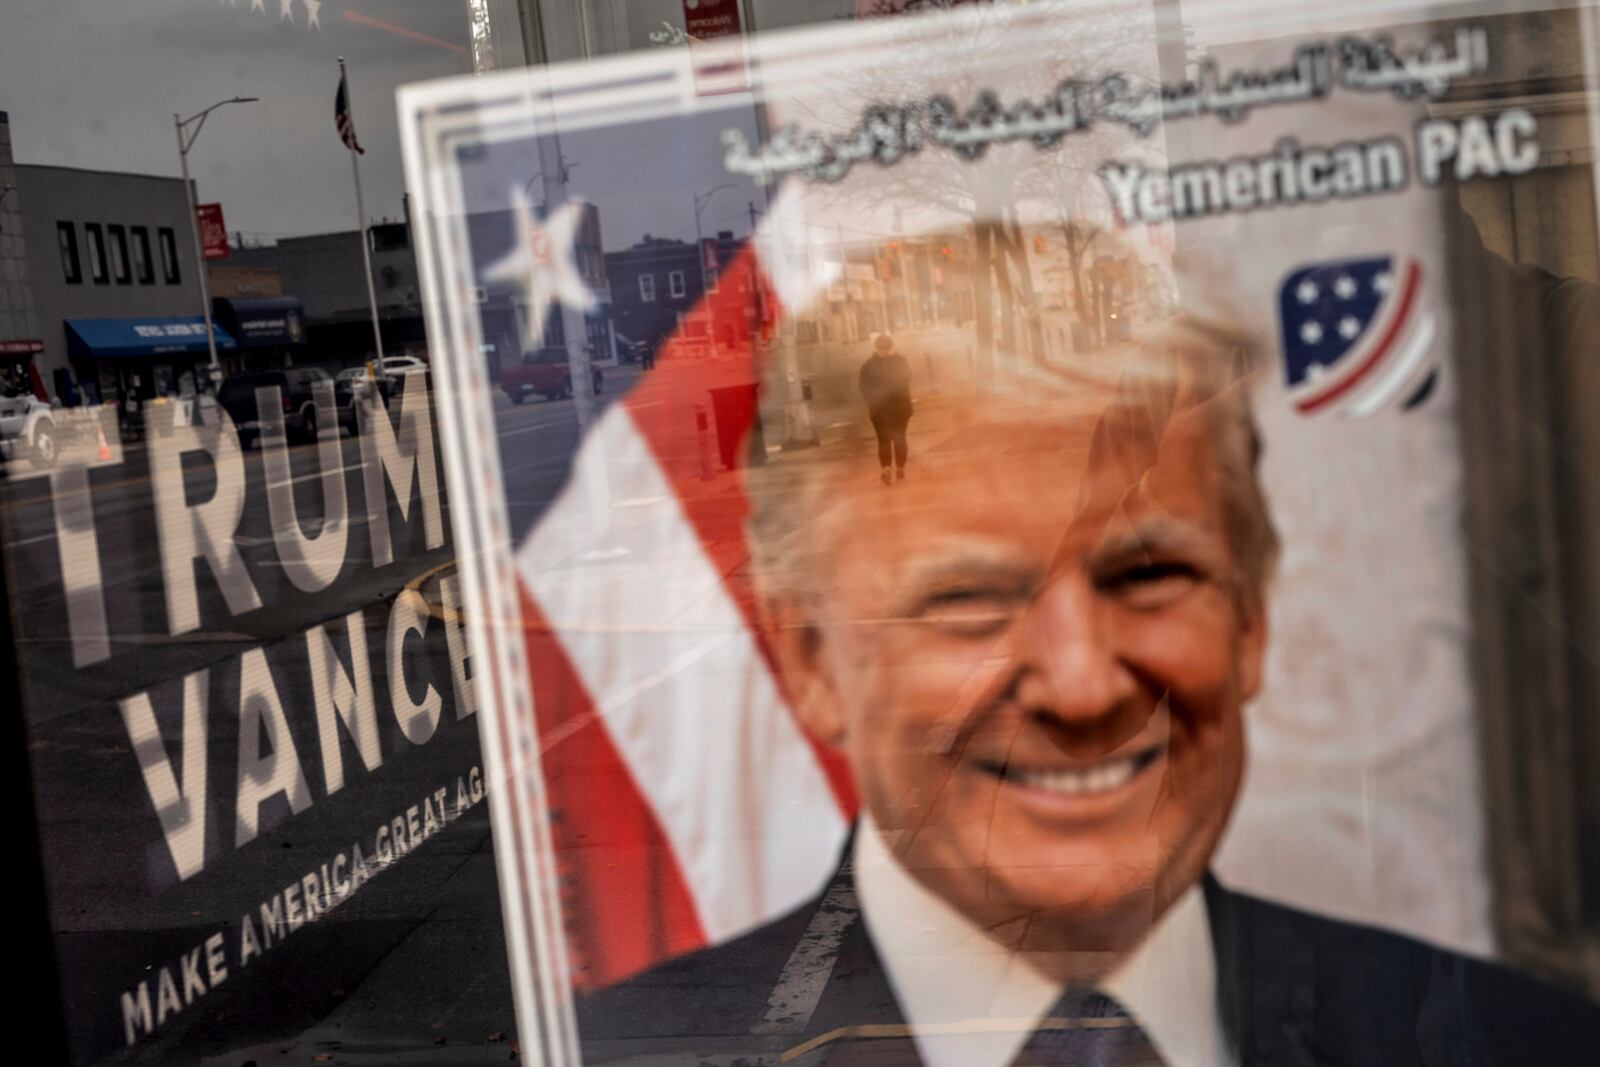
<point>891,430</point>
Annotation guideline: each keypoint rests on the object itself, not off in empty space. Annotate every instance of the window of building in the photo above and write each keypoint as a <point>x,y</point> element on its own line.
<point>647,288</point>
<point>386,236</point>
<point>675,282</point>
<point>169,255</point>
<point>94,238</point>
<point>144,267</point>
<point>67,237</point>
<point>117,242</point>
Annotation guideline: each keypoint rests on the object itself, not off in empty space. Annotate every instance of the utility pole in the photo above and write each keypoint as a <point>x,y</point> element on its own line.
<point>361,212</point>
<point>553,172</point>
<point>799,429</point>
<point>186,139</point>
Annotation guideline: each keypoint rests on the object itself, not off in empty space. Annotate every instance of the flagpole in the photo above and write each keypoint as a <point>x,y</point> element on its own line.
<point>361,213</point>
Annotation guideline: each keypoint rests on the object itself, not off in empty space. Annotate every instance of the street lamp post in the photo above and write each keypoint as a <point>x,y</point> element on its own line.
<point>565,171</point>
<point>700,202</point>
<point>186,138</point>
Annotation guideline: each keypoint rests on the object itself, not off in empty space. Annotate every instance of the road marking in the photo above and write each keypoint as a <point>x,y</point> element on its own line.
<point>800,985</point>
<point>531,429</point>
<point>315,474</point>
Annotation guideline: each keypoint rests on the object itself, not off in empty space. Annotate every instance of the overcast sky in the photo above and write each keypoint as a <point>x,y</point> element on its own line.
<point>95,83</point>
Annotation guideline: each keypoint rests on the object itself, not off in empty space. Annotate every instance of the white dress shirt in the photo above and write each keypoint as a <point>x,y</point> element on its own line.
<point>971,1002</point>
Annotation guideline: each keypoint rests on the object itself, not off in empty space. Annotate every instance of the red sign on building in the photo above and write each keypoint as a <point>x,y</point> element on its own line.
<point>719,66</point>
<point>213,231</point>
<point>706,20</point>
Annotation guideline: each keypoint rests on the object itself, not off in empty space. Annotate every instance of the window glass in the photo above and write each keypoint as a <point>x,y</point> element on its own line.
<point>95,240</point>
<point>245,719</point>
<point>960,533</point>
<point>117,242</point>
<point>143,266</point>
<point>170,272</point>
<point>67,238</point>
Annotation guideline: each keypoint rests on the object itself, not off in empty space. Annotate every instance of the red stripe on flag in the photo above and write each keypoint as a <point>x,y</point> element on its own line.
<point>623,899</point>
<point>663,407</point>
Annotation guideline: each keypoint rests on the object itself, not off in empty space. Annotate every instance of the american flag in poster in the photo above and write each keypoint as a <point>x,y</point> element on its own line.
<point>686,802</point>
<point>657,793</point>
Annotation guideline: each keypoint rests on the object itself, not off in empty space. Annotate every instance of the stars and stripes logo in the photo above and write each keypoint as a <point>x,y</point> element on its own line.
<point>1357,336</point>
<point>341,116</point>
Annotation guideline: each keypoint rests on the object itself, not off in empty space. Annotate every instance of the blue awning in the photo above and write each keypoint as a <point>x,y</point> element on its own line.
<point>99,338</point>
<point>278,320</point>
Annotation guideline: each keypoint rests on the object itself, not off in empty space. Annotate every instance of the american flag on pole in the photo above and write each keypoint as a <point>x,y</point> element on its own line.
<point>341,115</point>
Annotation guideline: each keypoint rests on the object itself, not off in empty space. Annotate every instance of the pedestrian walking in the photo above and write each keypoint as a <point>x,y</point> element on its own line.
<point>885,382</point>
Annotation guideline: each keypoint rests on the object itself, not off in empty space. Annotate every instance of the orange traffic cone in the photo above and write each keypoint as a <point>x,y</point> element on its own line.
<point>105,449</point>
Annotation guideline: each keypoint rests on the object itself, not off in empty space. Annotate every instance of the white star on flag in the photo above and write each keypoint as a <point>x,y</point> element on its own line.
<point>542,263</point>
<point>1345,287</point>
<point>1307,291</point>
<point>312,7</point>
<point>285,10</point>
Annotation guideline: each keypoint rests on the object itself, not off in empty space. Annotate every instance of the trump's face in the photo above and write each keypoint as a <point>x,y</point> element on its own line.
<point>1035,667</point>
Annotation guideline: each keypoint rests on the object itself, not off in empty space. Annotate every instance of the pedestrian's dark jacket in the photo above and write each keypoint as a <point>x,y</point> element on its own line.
<point>886,385</point>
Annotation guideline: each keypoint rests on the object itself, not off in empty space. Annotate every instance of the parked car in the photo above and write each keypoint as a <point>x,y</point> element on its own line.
<point>238,398</point>
<point>355,381</point>
<point>544,372</point>
<point>28,428</point>
<point>632,351</point>
<point>390,372</point>
<point>401,365</point>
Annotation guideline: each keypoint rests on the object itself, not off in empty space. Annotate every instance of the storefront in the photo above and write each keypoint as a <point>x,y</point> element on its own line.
<point>141,359</point>
<point>270,332</point>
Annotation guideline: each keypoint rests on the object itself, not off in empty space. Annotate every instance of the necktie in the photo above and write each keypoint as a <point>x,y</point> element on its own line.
<point>1088,1029</point>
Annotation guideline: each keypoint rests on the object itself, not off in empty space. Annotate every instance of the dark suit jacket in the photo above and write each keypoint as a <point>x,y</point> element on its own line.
<point>1295,990</point>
